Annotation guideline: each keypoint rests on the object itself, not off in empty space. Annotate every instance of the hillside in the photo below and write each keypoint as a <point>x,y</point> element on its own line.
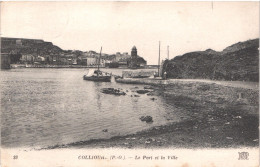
<point>28,46</point>
<point>237,62</point>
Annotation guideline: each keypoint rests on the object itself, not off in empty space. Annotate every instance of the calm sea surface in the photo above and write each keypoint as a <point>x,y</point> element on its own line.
<point>45,107</point>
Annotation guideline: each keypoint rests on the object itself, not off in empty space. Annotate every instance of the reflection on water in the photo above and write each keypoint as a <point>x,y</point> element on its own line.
<point>45,107</point>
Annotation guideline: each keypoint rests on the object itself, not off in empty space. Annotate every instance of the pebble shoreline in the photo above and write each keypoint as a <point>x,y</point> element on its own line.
<point>218,118</point>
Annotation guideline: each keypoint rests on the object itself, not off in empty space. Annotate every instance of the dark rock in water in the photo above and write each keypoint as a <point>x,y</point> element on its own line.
<point>150,94</point>
<point>153,99</point>
<point>148,87</point>
<point>147,119</point>
<point>136,96</point>
<point>113,91</point>
<point>104,130</point>
<point>142,91</point>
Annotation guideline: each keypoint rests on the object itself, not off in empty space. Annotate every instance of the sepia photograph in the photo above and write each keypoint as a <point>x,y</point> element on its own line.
<point>129,83</point>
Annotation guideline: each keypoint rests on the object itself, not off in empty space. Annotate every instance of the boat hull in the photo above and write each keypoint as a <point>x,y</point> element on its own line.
<point>98,79</point>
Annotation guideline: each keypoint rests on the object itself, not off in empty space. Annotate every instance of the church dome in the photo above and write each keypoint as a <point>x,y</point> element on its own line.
<point>134,48</point>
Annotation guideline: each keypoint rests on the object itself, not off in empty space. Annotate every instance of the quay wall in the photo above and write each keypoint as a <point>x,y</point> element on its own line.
<point>50,66</point>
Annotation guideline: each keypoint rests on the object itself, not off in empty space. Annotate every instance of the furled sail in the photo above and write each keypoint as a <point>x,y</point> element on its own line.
<point>90,72</point>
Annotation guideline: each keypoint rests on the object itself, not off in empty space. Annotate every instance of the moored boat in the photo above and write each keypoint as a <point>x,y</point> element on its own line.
<point>97,76</point>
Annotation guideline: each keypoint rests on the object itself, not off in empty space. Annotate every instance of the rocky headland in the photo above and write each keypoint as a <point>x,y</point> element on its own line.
<point>238,62</point>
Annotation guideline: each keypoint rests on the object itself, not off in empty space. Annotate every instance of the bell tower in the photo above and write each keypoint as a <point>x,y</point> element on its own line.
<point>134,53</point>
<point>133,63</point>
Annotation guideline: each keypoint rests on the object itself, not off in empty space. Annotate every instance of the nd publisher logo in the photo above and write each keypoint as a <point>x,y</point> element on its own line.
<point>243,155</point>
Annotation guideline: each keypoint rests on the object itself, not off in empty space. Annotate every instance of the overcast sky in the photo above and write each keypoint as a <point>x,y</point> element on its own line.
<point>118,26</point>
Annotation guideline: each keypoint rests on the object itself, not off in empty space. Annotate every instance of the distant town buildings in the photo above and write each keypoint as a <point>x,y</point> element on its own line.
<point>34,51</point>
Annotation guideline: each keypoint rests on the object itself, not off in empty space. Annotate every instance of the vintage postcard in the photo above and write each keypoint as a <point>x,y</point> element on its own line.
<point>129,83</point>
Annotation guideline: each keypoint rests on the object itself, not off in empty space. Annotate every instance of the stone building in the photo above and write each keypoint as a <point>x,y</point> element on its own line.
<point>92,61</point>
<point>133,60</point>
<point>136,61</point>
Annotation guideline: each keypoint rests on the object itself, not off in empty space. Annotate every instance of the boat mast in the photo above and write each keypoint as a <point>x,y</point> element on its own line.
<point>168,52</point>
<point>99,58</point>
<point>159,59</point>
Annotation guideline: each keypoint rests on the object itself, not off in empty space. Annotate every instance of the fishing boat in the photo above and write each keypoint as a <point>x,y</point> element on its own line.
<point>97,75</point>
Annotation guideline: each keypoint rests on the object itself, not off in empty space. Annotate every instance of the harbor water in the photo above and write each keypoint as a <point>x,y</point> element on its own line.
<point>47,107</point>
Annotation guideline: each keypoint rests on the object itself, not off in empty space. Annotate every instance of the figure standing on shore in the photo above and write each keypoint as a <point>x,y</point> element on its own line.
<point>165,75</point>
<point>154,74</point>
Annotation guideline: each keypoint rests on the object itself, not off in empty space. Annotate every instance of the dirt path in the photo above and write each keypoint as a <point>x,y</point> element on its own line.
<point>154,81</point>
<point>237,84</point>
